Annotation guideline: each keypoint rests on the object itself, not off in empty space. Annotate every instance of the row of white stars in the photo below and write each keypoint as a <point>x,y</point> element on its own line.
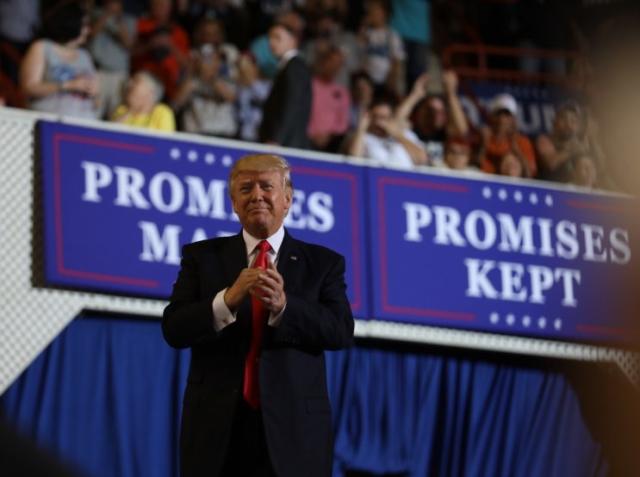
<point>518,196</point>
<point>526,321</point>
<point>193,156</point>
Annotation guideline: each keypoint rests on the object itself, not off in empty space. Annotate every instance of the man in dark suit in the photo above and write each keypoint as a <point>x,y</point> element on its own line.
<point>258,309</point>
<point>286,112</point>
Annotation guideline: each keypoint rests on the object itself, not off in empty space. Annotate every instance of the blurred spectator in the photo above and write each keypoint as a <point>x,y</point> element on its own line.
<point>56,74</point>
<point>337,9</point>
<point>233,19</point>
<point>326,32</point>
<point>330,105</point>
<point>162,46</point>
<point>112,37</point>
<point>206,99</point>
<point>18,22</point>
<point>287,109</point>
<point>142,106</point>
<point>209,33</point>
<point>584,172</point>
<point>567,139</point>
<point>457,154</point>
<point>502,136</point>
<point>435,118</point>
<point>382,137</point>
<point>261,49</point>
<point>382,49</point>
<point>412,20</point>
<point>362,90</point>
<point>511,165</point>
<point>252,93</point>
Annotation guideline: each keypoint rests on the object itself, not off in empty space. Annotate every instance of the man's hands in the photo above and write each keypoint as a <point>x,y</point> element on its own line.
<point>266,285</point>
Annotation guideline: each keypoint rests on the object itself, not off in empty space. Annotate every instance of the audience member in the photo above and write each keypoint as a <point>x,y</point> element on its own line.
<point>57,75</point>
<point>381,137</point>
<point>584,172</point>
<point>457,154</point>
<point>435,118</point>
<point>567,139</point>
<point>511,165</point>
<point>326,32</point>
<point>231,14</point>
<point>252,93</point>
<point>209,33</point>
<point>330,105</point>
<point>261,46</point>
<point>412,20</point>
<point>501,136</point>
<point>287,109</point>
<point>362,90</point>
<point>18,22</point>
<point>338,9</point>
<point>162,46</point>
<point>142,106</point>
<point>382,49</point>
<point>206,99</point>
<point>112,37</point>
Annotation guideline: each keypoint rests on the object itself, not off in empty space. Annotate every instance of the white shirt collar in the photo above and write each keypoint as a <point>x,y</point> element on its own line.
<point>275,241</point>
<point>286,57</point>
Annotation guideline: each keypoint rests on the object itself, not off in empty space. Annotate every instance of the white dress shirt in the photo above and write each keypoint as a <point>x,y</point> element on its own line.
<point>222,315</point>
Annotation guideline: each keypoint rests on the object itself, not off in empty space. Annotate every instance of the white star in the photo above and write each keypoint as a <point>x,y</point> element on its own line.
<point>533,198</point>
<point>517,196</point>
<point>192,156</point>
<point>174,153</point>
<point>486,192</point>
<point>557,324</point>
<point>226,160</point>
<point>494,318</point>
<point>548,200</point>
<point>511,319</point>
<point>542,322</point>
<point>502,194</point>
<point>209,158</point>
<point>526,321</point>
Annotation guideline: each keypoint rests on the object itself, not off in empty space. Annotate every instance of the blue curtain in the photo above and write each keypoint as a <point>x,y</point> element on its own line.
<point>105,396</point>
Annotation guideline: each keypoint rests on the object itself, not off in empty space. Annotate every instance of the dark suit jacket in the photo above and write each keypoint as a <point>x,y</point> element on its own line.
<point>293,392</point>
<point>286,112</point>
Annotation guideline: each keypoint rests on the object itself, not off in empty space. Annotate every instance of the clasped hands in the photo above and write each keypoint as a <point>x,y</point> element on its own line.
<point>266,285</point>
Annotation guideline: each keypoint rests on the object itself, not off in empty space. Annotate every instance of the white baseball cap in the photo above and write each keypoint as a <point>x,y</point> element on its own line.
<point>504,102</point>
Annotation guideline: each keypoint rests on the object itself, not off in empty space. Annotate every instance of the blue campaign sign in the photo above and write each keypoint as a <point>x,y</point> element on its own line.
<point>501,257</point>
<point>118,207</point>
<point>537,104</point>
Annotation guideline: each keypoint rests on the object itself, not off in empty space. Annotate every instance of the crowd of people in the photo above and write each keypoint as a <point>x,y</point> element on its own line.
<point>316,74</point>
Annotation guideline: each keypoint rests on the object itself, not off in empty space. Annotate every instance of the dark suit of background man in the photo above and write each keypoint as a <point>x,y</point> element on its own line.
<point>286,112</point>
<point>288,433</point>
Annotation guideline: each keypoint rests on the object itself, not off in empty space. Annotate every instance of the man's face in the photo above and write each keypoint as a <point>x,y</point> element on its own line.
<point>504,122</point>
<point>380,113</point>
<point>457,156</point>
<point>567,124</point>
<point>261,201</point>
<point>436,113</point>
<point>280,41</point>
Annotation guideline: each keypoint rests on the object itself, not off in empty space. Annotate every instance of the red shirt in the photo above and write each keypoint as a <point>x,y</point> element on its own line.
<point>164,64</point>
<point>495,149</point>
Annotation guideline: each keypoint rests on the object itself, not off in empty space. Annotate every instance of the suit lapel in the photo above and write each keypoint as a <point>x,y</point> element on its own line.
<point>289,261</point>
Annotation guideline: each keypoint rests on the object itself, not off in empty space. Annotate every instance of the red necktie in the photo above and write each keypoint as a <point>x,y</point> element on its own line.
<point>251,389</point>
